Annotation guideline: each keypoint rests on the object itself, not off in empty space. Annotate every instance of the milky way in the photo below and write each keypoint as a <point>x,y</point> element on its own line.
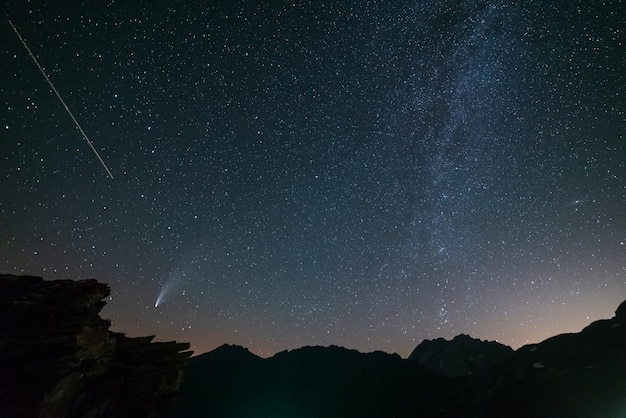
<point>364,174</point>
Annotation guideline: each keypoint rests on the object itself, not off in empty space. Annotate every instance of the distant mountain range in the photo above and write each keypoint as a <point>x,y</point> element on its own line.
<point>570,375</point>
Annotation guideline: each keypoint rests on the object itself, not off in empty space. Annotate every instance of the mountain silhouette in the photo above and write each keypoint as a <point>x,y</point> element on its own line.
<point>58,358</point>
<point>307,382</point>
<point>462,356</point>
<point>570,375</point>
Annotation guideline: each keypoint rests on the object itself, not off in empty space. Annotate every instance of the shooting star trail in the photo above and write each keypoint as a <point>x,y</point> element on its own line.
<point>69,112</point>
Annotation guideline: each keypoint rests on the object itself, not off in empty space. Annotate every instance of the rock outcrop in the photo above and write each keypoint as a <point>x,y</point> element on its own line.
<point>59,359</point>
<point>460,356</point>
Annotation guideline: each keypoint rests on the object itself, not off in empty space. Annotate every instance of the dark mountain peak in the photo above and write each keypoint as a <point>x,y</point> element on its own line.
<point>228,356</point>
<point>620,313</point>
<point>595,338</point>
<point>460,356</point>
<point>312,349</point>
<point>573,374</point>
<point>232,351</point>
<point>332,353</point>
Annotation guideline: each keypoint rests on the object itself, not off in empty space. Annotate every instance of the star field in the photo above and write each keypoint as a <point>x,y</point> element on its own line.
<point>366,174</point>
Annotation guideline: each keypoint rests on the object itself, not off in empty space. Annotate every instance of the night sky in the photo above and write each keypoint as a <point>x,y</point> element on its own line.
<point>287,173</point>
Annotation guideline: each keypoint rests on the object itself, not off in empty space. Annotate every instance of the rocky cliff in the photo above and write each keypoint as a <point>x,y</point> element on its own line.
<point>59,359</point>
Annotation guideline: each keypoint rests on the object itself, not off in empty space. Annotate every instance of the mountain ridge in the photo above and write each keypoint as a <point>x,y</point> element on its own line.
<point>580,374</point>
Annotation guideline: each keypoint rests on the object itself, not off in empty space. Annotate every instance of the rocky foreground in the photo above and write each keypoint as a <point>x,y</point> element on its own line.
<point>59,359</point>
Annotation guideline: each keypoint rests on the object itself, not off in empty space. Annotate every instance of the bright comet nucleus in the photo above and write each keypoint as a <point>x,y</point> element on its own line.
<point>161,296</point>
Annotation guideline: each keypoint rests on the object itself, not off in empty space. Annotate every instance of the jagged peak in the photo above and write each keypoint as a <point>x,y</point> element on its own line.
<point>620,312</point>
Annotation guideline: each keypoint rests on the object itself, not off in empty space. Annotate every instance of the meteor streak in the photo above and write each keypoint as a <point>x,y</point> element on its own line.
<point>69,112</point>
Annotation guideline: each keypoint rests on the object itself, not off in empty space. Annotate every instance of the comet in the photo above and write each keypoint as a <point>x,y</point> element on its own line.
<point>167,288</point>
<point>159,298</point>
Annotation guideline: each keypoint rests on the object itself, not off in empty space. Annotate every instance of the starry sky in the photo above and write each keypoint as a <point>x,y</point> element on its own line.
<point>287,173</point>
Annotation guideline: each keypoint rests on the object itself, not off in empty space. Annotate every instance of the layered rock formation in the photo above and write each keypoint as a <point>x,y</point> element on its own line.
<point>59,359</point>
